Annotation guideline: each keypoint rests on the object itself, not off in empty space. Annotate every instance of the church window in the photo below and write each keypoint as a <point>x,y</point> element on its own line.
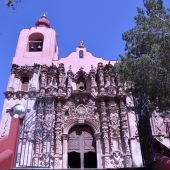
<point>81,54</point>
<point>81,84</point>
<point>36,42</point>
<point>24,83</point>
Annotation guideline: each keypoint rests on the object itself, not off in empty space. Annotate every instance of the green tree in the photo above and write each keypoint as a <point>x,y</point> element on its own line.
<point>147,55</point>
<point>145,65</point>
<point>12,3</point>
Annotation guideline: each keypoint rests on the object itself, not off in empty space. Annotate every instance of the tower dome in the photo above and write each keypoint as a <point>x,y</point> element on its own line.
<point>43,22</point>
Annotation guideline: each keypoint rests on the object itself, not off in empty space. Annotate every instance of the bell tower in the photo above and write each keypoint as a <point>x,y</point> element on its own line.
<point>37,44</point>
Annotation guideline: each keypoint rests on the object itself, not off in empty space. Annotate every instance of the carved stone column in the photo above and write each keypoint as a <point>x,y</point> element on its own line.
<point>93,82</point>
<point>112,80</point>
<point>107,80</point>
<point>125,135</point>
<point>43,82</point>
<point>58,128</point>
<point>101,77</point>
<point>11,81</point>
<point>99,150</point>
<point>105,130</point>
<point>114,127</point>
<point>34,84</point>
<point>43,79</point>
<point>69,85</point>
<point>61,72</point>
<point>65,151</point>
<point>17,84</point>
<point>58,134</point>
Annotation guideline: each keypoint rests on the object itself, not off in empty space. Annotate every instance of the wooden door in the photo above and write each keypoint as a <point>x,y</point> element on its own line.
<point>81,141</point>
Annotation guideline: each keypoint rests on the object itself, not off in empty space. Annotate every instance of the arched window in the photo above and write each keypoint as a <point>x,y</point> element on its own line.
<point>81,84</point>
<point>24,83</point>
<point>35,42</point>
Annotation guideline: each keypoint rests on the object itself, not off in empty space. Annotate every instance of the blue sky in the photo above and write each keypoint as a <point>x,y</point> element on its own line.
<point>100,23</point>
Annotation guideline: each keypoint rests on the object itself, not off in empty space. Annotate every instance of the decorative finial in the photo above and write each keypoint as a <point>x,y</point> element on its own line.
<point>81,44</point>
<point>45,14</point>
<point>92,68</point>
<point>81,69</point>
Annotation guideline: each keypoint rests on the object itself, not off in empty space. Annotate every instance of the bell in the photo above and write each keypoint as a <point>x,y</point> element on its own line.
<point>39,46</point>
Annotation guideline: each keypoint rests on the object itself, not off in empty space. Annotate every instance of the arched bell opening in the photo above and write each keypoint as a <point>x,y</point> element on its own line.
<point>82,147</point>
<point>36,42</point>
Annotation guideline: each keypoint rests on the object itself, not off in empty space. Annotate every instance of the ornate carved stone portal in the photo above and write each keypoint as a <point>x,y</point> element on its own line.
<point>79,129</point>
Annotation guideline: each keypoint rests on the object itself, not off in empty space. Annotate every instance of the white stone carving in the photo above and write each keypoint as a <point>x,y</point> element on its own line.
<point>158,123</point>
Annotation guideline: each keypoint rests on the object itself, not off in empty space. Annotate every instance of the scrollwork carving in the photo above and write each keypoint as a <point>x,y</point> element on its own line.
<point>114,124</point>
<point>117,159</point>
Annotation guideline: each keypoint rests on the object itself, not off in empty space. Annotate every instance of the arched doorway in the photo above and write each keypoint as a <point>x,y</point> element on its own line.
<point>81,147</point>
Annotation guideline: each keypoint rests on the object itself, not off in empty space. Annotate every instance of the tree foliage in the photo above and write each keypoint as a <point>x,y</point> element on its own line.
<point>12,3</point>
<point>146,64</point>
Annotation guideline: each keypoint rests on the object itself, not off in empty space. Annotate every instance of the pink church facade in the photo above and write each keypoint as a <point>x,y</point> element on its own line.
<point>75,108</point>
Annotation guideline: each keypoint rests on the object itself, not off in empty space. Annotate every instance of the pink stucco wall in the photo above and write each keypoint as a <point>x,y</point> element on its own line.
<point>49,52</point>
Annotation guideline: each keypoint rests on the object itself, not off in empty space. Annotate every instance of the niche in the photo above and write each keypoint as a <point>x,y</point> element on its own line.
<point>81,84</point>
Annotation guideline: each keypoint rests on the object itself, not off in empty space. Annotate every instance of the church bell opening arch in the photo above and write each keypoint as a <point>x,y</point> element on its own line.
<point>82,147</point>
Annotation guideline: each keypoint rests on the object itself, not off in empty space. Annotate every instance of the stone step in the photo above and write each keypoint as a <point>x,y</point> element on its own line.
<point>140,168</point>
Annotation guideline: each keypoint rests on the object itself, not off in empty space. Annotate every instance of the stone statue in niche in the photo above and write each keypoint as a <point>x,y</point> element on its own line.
<point>93,82</point>
<point>55,82</point>
<point>43,80</point>
<point>49,81</point>
<point>100,74</point>
<point>94,91</point>
<point>112,81</point>
<point>42,92</point>
<point>129,101</point>
<point>81,44</point>
<point>69,81</point>
<point>107,81</point>
<point>70,77</point>
<point>101,78</point>
<point>60,91</point>
<point>69,92</point>
<point>102,91</point>
<point>121,91</point>
<point>158,122</point>
<point>92,76</point>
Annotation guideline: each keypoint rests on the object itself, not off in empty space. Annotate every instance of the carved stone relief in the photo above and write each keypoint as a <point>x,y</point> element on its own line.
<point>99,105</point>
